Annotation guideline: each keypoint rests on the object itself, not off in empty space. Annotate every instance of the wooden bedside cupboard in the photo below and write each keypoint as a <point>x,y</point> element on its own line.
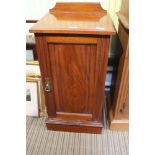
<point>72,42</point>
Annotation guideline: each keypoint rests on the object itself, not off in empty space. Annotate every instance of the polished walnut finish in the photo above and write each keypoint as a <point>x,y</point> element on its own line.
<point>94,20</point>
<point>73,56</point>
<point>119,104</point>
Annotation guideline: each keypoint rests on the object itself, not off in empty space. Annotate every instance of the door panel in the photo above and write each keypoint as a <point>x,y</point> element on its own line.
<point>72,69</point>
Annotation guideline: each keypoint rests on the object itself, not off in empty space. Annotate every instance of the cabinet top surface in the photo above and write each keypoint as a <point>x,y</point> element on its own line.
<point>75,18</point>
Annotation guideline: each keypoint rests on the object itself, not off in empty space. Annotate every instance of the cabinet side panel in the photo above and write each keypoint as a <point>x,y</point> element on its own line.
<point>100,75</point>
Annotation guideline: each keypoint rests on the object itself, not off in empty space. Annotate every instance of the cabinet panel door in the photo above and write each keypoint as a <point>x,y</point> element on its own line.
<point>72,69</point>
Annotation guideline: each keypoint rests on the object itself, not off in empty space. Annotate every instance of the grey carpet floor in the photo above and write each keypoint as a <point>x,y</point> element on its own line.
<point>40,141</point>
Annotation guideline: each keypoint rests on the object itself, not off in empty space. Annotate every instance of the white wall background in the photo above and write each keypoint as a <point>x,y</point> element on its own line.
<point>37,8</point>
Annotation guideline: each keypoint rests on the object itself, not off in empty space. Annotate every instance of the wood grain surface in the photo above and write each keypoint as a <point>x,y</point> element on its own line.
<point>75,18</point>
<point>119,110</point>
<point>73,55</point>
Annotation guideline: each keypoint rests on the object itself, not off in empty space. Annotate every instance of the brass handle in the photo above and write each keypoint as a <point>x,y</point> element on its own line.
<point>47,85</point>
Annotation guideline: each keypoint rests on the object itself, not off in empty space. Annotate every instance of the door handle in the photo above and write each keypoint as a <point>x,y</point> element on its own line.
<point>47,85</point>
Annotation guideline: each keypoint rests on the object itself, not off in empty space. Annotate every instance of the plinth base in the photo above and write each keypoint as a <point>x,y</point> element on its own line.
<point>74,126</point>
<point>115,124</point>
